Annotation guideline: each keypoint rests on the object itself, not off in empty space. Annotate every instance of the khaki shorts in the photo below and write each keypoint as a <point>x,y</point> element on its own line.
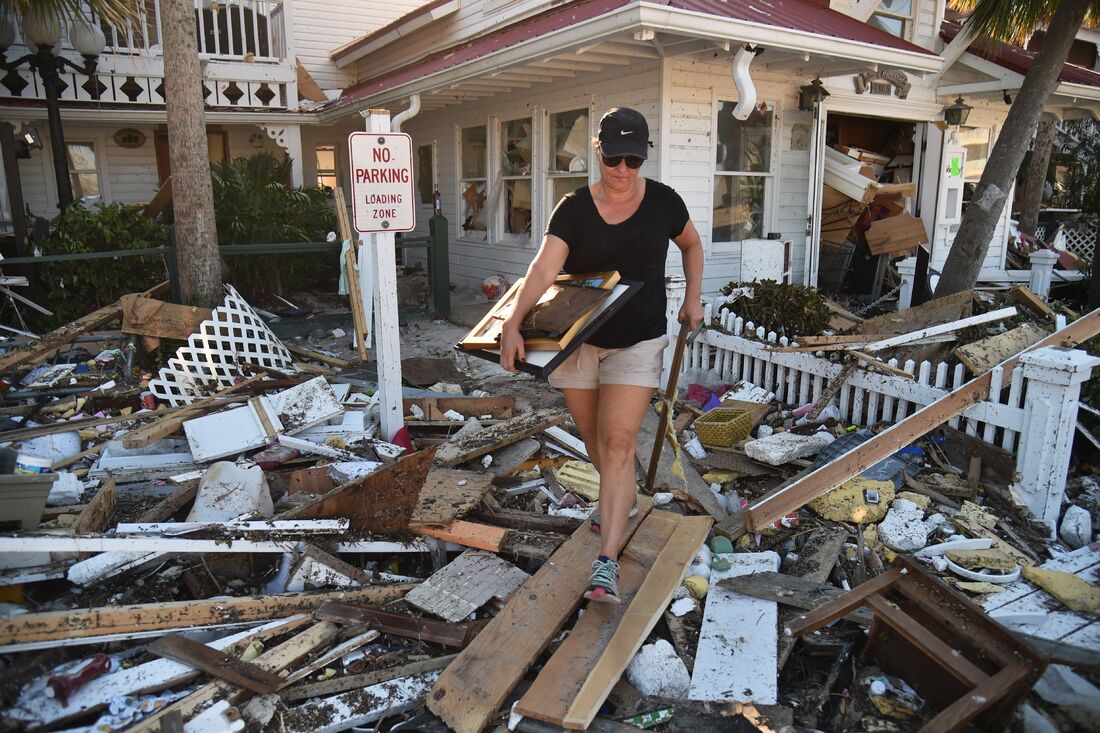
<point>590,366</point>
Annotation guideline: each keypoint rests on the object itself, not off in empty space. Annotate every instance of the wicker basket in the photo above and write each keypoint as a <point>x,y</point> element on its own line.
<point>724,426</point>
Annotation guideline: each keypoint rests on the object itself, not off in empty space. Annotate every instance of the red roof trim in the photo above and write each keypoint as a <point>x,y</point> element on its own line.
<point>806,16</point>
<point>1017,59</point>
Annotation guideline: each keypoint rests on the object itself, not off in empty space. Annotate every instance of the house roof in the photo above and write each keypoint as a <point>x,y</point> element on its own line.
<point>1017,59</point>
<point>404,21</point>
<point>803,16</point>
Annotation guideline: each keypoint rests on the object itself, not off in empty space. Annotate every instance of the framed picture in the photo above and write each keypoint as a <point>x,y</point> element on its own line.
<point>555,319</point>
<point>541,362</point>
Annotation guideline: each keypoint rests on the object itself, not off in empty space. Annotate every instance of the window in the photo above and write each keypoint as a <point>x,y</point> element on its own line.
<point>893,16</point>
<point>82,170</point>
<point>515,172</point>
<point>473,165</point>
<point>569,139</point>
<point>742,175</point>
<point>976,140</point>
<point>326,166</point>
<point>425,173</point>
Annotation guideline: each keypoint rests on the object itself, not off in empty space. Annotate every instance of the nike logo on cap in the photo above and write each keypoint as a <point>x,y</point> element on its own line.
<point>626,132</point>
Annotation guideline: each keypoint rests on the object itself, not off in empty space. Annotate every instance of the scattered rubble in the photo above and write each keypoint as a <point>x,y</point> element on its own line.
<point>241,548</point>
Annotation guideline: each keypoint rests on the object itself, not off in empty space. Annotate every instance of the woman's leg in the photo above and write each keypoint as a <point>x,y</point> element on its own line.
<point>583,406</point>
<point>620,411</point>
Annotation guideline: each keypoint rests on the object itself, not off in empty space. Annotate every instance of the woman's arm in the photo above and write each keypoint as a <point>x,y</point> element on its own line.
<point>540,276</point>
<point>691,253</point>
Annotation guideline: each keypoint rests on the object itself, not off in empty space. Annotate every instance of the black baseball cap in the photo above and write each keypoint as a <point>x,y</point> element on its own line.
<point>623,131</point>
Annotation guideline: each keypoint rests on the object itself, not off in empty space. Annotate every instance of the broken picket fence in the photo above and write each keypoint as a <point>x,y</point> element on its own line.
<point>1034,417</point>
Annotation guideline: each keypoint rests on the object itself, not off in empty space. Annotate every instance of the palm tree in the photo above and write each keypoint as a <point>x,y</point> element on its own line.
<point>115,12</point>
<point>1008,19</point>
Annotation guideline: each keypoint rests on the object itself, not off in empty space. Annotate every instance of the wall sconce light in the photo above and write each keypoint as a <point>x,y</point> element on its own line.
<point>28,140</point>
<point>1006,97</point>
<point>957,113</point>
<point>811,95</point>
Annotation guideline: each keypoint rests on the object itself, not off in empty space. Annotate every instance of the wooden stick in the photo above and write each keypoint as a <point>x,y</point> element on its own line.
<point>669,398</point>
<point>879,364</point>
<point>350,267</point>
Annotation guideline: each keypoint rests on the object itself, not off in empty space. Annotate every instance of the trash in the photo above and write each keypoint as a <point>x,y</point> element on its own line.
<point>856,501</point>
<point>904,528</point>
<point>651,719</point>
<point>657,671</point>
<point>1076,527</point>
<point>228,491</point>
<point>66,490</point>
<point>697,585</point>
<point>682,607</point>
<point>1074,592</point>
<point>777,449</point>
<point>893,697</point>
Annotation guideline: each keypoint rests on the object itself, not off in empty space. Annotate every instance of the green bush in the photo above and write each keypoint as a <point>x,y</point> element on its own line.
<point>72,289</point>
<point>789,310</point>
<point>252,205</point>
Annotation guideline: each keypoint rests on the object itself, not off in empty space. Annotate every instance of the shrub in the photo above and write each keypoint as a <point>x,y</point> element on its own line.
<point>72,289</point>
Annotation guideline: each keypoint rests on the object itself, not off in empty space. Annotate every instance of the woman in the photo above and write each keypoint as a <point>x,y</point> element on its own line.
<point>622,222</point>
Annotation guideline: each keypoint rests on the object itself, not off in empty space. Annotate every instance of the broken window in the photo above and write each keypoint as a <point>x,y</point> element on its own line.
<point>326,166</point>
<point>569,140</point>
<point>515,170</point>
<point>82,170</point>
<point>893,16</point>
<point>743,174</point>
<point>474,164</point>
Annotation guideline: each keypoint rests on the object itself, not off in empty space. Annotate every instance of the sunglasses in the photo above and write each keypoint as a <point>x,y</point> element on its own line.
<point>633,162</point>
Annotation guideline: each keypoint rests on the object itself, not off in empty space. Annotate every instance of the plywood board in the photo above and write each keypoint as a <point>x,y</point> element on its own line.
<point>736,660</point>
<point>552,694</point>
<point>150,317</point>
<point>471,690</point>
<point>984,354</point>
<point>896,234</point>
<point>466,584</point>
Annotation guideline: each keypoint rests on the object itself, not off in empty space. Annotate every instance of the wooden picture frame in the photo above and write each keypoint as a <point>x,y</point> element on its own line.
<point>486,334</point>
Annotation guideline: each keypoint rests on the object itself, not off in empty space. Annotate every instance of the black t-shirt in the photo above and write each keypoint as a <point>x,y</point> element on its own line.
<point>637,248</point>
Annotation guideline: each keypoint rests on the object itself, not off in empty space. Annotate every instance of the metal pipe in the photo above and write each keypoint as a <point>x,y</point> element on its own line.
<point>746,90</point>
<point>412,111</point>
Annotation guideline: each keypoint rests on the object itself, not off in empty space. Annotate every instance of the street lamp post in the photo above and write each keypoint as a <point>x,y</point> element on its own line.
<point>43,34</point>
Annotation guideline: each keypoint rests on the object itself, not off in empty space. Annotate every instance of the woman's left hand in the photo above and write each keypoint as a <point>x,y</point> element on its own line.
<point>691,312</point>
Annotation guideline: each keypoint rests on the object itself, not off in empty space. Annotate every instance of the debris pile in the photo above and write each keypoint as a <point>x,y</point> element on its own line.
<point>231,543</point>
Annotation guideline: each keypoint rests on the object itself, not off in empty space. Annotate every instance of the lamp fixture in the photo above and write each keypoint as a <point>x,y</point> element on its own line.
<point>957,113</point>
<point>28,140</point>
<point>1006,97</point>
<point>811,95</point>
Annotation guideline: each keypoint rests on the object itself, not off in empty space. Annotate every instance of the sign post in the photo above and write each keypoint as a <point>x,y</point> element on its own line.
<point>382,203</point>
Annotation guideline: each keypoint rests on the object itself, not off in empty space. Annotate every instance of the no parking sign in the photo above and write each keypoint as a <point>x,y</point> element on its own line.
<point>382,182</point>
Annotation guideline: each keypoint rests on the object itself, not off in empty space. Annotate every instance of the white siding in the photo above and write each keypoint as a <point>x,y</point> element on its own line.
<point>320,26</point>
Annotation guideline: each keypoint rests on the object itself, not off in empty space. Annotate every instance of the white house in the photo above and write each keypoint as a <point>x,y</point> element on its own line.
<point>508,92</point>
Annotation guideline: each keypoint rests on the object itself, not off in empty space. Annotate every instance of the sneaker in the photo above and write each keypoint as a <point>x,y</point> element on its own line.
<point>595,517</point>
<point>604,583</point>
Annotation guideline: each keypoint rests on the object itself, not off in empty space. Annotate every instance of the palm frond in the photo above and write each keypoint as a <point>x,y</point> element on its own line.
<point>1013,20</point>
<point>115,12</point>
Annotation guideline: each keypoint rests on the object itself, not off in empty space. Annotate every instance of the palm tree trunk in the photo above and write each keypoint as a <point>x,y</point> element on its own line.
<point>192,194</point>
<point>1035,180</point>
<point>964,261</point>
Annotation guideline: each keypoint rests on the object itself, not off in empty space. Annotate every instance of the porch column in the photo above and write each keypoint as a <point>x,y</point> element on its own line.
<point>907,271</point>
<point>1042,271</point>
<point>289,138</point>
<point>1054,376</point>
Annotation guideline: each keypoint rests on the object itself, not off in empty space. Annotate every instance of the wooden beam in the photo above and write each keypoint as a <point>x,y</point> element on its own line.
<point>470,691</point>
<point>359,681</point>
<point>218,664</point>
<point>409,627</point>
<point>164,617</point>
<point>169,505</point>
<point>151,317</point>
<point>96,515</point>
<point>36,351</point>
<point>488,440</point>
<point>772,507</point>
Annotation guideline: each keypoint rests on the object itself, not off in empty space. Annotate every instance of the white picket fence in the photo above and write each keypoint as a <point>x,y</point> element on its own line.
<point>741,350</point>
<point>1034,417</point>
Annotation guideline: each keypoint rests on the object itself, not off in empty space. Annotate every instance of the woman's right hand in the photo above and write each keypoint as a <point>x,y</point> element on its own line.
<point>511,346</point>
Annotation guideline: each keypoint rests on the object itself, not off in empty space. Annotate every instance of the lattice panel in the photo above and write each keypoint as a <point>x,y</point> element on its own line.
<point>1081,241</point>
<point>210,361</point>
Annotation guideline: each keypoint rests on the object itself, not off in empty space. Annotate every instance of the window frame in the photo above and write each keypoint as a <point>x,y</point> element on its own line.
<point>471,235</point>
<point>906,20</point>
<point>98,150</point>
<point>732,247</point>
<point>320,172</point>
<point>500,220</point>
<point>548,176</point>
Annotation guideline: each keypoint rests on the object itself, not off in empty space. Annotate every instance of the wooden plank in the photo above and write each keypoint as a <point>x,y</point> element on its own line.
<point>468,534</point>
<point>944,328</point>
<point>37,351</point>
<point>332,656</point>
<point>896,234</point>
<point>409,627</point>
<point>653,597</point>
<point>447,494</point>
<point>97,513</point>
<point>933,312</point>
<point>737,659</point>
<point>150,317</point>
<point>318,356</point>
<point>382,501</point>
<point>562,677</point>
<point>982,355</point>
<point>516,519</point>
<point>219,664</point>
<point>475,685</point>
<point>795,495</point>
<point>1023,295</point>
<point>673,470</point>
<point>366,679</point>
<point>355,295</point>
<point>358,707</point>
<point>466,584</point>
<point>478,444</point>
<point>793,591</point>
<point>167,507</point>
<point>87,622</point>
